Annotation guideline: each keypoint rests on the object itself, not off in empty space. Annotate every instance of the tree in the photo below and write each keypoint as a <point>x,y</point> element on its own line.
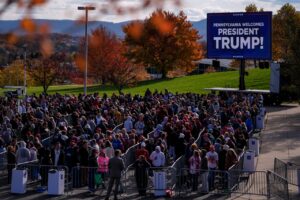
<point>101,53</point>
<point>46,70</point>
<point>106,60</point>
<point>253,8</point>
<point>164,41</point>
<point>122,72</point>
<point>286,24</point>
<point>286,42</point>
<point>14,74</point>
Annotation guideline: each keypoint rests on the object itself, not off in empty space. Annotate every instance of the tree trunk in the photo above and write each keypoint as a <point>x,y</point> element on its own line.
<point>45,88</point>
<point>255,63</point>
<point>164,73</point>
<point>242,75</point>
<point>103,79</point>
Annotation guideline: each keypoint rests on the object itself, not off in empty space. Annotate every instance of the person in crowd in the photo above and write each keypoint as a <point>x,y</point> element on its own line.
<point>58,155</point>
<point>128,124</point>
<point>141,167</point>
<point>212,164</point>
<point>103,161</point>
<point>23,153</point>
<point>180,145</point>
<point>92,170</point>
<point>140,125</point>
<point>231,158</point>
<point>2,145</point>
<point>46,162</point>
<point>109,150</point>
<point>142,151</point>
<point>71,154</point>
<point>84,161</point>
<point>204,172</point>
<point>222,157</point>
<point>194,168</point>
<point>33,152</point>
<point>158,157</point>
<point>11,161</point>
<point>115,166</point>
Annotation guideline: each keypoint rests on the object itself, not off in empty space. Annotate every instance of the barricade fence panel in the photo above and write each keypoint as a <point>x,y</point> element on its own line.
<point>193,182</point>
<point>248,182</point>
<point>89,178</point>
<point>277,186</point>
<point>280,168</point>
<point>153,180</point>
<point>3,161</point>
<point>292,173</point>
<point>157,181</point>
<point>287,170</point>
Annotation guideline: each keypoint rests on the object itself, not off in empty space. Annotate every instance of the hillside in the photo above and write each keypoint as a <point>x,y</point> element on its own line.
<point>72,28</point>
<point>257,79</point>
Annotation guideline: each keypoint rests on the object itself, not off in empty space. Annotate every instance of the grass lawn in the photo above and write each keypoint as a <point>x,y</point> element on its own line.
<point>257,79</point>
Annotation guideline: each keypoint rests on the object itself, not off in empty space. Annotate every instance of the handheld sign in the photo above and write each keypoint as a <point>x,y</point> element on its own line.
<point>239,35</point>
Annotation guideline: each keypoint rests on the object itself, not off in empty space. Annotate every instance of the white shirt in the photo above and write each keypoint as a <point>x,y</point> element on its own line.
<point>158,159</point>
<point>57,153</point>
<point>212,159</point>
<point>128,125</point>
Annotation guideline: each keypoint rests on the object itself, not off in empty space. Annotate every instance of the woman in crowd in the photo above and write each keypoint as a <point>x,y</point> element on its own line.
<point>195,165</point>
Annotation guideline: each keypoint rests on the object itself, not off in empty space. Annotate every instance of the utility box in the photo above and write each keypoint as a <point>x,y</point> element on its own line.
<point>56,182</point>
<point>249,162</point>
<point>253,144</point>
<point>159,184</point>
<point>19,181</point>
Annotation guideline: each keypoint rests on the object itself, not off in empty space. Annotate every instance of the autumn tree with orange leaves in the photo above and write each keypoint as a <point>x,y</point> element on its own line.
<point>107,63</point>
<point>46,70</point>
<point>165,41</point>
<point>102,52</point>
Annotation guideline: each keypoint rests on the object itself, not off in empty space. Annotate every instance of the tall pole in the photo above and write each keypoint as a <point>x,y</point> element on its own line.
<point>86,8</point>
<point>25,63</point>
<point>242,75</point>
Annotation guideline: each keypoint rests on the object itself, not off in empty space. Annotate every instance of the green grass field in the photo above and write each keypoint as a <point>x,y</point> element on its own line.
<point>257,79</point>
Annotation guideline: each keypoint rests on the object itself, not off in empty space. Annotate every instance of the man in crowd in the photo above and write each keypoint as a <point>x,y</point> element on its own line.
<point>115,166</point>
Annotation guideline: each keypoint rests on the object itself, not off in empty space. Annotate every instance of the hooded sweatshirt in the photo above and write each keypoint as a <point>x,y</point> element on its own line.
<point>23,154</point>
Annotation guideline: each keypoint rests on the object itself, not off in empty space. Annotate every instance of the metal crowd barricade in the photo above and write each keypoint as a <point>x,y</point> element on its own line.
<point>287,170</point>
<point>198,140</point>
<point>129,156</point>
<point>170,180</point>
<point>132,183</point>
<point>84,178</point>
<point>198,182</point>
<point>3,161</point>
<point>280,168</point>
<point>248,182</point>
<point>117,128</point>
<point>277,186</point>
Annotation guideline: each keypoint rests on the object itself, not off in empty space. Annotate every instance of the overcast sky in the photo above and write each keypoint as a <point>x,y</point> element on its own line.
<point>194,9</point>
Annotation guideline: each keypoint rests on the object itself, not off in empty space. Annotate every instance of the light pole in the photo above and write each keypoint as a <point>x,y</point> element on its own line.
<point>25,63</point>
<point>86,8</point>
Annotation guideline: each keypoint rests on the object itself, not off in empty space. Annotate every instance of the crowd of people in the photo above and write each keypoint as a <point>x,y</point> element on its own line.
<point>81,130</point>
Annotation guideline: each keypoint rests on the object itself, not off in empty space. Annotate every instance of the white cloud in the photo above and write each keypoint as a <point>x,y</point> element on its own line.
<point>194,9</point>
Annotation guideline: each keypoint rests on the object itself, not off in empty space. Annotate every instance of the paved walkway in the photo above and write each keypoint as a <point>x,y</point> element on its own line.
<point>280,139</point>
